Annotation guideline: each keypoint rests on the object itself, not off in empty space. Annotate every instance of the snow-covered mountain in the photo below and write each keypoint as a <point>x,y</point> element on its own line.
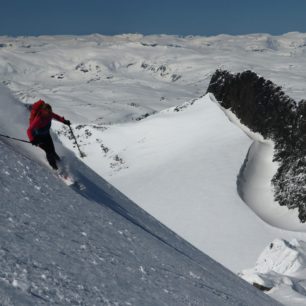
<point>63,245</point>
<point>109,79</point>
<point>138,108</point>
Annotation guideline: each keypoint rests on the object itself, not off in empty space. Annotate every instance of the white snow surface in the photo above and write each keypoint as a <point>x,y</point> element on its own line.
<point>63,245</point>
<point>281,268</point>
<point>190,163</point>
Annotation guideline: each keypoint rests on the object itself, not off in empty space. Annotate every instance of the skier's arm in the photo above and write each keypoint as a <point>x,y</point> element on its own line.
<point>60,119</point>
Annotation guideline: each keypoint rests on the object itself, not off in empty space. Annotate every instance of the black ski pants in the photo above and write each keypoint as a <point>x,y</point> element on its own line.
<point>45,142</point>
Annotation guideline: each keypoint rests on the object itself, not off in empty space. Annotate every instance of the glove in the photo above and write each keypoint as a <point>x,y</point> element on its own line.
<point>35,142</point>
<point>67,122</point>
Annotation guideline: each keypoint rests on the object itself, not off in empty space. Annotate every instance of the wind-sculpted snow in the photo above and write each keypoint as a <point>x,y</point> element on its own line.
<point>265,109</point>
<point>281,266</point>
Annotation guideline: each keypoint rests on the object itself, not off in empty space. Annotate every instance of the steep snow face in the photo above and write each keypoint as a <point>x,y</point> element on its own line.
<point>147,160</point>
<point>181,165</point>
<point>61,245</point>
<point>280,269</point>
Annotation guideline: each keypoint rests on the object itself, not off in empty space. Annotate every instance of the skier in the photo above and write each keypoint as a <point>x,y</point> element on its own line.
<point>39,130</point>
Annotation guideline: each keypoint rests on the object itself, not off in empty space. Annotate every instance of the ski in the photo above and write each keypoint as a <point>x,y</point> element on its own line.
<point>68,180</point>
<point>64,177</point>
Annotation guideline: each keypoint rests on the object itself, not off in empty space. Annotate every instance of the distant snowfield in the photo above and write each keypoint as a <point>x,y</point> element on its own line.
<point>184,163</point>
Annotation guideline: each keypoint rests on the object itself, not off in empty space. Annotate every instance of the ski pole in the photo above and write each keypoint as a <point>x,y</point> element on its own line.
<point>81,153</point>
<point>14,138</point>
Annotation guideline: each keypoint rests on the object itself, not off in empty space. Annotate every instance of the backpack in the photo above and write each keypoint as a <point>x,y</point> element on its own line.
<point>36,108</point>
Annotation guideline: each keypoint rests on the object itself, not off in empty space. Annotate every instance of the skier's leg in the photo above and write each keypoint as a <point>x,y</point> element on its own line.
<point>52,148</point>
<point>48,146</point>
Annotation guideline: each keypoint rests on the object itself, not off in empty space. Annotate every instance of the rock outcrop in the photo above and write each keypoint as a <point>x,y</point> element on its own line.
<point>264,108</point>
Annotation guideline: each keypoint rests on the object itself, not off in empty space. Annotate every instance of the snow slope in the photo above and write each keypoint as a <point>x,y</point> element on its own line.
<point>65,246</point>
<point>180,166</point>
<point>175,166</point>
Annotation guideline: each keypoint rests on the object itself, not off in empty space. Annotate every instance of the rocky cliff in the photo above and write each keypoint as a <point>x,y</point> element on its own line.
<point>264,108</point>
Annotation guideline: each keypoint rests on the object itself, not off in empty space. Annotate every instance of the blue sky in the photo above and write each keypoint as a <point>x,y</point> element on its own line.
<point>180,17</point>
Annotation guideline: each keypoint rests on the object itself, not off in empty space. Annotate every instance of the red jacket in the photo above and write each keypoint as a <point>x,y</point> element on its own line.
<point>42,123</point>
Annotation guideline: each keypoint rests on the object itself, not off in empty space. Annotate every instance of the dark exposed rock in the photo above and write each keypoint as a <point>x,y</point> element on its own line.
<point>59,76</point>
<point>146,115</point>
<point>265,109</point>
<point>149,45</point>
<point>261,287</point>
<point>175,77</point>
